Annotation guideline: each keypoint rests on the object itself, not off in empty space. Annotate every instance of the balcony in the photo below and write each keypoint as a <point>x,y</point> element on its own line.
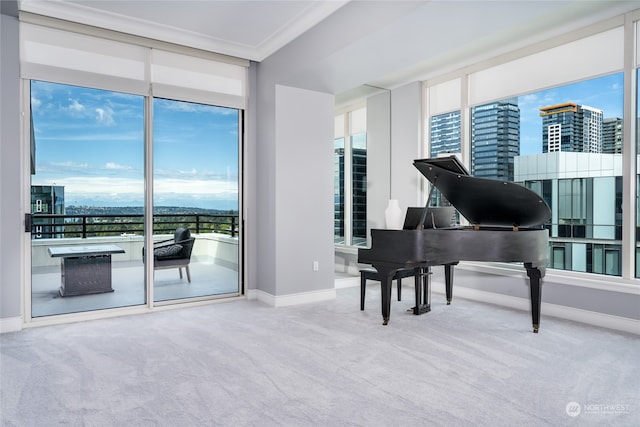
<point>213,267</point>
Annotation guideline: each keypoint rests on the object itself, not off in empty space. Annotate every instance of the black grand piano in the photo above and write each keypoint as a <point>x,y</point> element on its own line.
<point>505,220</point>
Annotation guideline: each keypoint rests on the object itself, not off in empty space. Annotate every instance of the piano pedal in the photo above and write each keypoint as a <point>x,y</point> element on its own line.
<point>422,309</point>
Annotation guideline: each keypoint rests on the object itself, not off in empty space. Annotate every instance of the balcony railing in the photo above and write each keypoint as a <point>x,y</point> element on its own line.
<point>83,226</point>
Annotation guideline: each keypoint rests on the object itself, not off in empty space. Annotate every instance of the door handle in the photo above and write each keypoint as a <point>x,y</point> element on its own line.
<point>28,222</point>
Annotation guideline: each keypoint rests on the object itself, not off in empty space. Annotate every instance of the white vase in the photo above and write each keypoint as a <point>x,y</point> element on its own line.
<point>393,215</point>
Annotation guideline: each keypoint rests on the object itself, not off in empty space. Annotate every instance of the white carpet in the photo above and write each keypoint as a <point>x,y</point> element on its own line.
<point>321,364</point>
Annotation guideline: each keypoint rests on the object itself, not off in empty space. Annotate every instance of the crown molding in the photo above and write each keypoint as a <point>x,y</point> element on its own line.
<point>64,10</point>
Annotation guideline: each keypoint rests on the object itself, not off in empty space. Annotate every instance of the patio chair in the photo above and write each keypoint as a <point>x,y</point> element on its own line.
<point>174,253</point>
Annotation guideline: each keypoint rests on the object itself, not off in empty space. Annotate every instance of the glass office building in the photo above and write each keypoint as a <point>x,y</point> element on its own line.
<point>586,206</point>
<point>445,133</point>
<point>495,139</point>
<point>359,192</point>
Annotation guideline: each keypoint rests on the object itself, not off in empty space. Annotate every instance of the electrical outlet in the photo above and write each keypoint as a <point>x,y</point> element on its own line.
<point>316,266</point>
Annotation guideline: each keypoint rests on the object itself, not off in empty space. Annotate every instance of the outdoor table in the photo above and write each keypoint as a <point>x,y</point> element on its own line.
<point>85,269</point>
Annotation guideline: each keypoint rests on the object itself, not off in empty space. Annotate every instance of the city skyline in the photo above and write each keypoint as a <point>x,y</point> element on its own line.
<point>604,93</point>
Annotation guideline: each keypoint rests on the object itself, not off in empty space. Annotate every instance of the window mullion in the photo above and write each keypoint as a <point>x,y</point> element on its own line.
<point>629,190</point>
<point>148,195</point>
<point>348,187</point>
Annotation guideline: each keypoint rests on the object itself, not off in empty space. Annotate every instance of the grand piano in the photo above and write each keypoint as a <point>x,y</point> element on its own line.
<point>506,225</point>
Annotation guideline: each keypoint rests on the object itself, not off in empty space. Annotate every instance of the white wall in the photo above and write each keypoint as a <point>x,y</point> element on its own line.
<point>406,142</point>
<point>262,208</point>
<point>303,190</point>
<point>10,200</point>
<point>293,207</point>
<point>378,159</point>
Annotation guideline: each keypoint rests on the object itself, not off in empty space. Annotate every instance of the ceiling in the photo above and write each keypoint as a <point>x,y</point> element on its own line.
<point>344,47</point>
<point>246,29</point>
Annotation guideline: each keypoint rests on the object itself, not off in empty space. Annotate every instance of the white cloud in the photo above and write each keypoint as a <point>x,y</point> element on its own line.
<point>191,172</point>
<point>194,187</point>
<point>35,103</point>
<point>115,166</point>
<point>74,105</point>
<point>69,164</point>
<point>83,186</point>
<point>105,116</point>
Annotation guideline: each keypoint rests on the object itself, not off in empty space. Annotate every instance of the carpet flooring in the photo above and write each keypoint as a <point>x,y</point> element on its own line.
<point>244,363</point>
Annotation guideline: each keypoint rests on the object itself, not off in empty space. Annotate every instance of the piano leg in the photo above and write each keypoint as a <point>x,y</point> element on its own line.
<point>386,280</point>
<point>448,281</point>
<point>536,294</point>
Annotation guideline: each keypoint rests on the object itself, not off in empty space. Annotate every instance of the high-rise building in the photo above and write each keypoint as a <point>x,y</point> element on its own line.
<point>495,138</point>
<point>359,191</point>
<point>445,133</point>
<point>612,135</point>
<point>444,139</point>
<point>570,127</point>
<point>47,200</point>
<point>338,191</point>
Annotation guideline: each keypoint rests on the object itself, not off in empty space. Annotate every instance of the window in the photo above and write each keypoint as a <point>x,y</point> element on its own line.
<point>444,140</point>
<point>559,133</point>
<point>338,190</point>
<point>350,195</point>
<point>339,167</point>
<point>359,189</point>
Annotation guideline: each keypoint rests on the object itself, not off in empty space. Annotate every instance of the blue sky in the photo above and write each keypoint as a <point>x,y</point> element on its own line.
<point>91,142</point>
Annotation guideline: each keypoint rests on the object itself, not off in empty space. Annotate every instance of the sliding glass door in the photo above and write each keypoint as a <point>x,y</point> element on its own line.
<point>195,199</point>
<point>87,199</point>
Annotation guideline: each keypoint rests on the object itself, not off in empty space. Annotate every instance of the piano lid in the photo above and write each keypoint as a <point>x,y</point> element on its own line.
<point>484,201</point>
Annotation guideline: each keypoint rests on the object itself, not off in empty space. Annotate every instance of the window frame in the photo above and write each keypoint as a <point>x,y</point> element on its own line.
<point>347,132</point>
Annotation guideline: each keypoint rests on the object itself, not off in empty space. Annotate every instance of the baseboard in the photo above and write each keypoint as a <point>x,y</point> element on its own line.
<point>347,282</point>
<point>291,299</point>
<point>563,312</point>
<point>10,324</point>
